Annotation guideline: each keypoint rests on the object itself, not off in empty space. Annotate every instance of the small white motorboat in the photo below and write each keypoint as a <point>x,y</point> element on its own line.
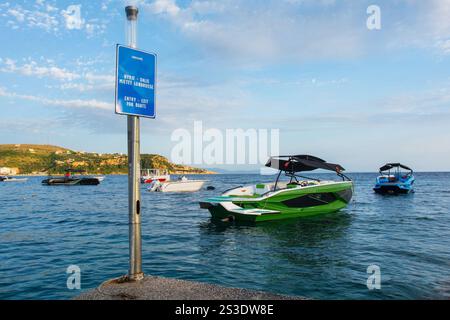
<point>12,179</point>
<point>183,184</point>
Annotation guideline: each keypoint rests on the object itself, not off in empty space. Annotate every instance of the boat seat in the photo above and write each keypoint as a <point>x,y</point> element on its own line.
<point>262,188</point>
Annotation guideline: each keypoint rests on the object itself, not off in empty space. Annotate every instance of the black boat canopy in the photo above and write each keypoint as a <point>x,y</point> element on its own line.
<point>300,163</point>
<point>389,166</point>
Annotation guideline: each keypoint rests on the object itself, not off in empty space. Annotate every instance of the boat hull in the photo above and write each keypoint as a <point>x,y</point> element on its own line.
<point>392,189</point>
<point>71,182</point>
<point>179,186</point>
<point>14,180</point>
<point>398,186</point>
<point>285,205</point>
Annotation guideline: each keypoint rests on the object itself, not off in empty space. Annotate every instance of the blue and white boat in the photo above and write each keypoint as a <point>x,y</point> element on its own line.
<point>395,182</point>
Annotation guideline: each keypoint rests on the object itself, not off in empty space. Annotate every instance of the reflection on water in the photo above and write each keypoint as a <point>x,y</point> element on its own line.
<point>45,229</point>
<point>271,252</point>
<point>306,232</point>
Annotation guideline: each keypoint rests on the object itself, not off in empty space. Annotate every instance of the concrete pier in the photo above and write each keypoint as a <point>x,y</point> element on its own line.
<point>158,288</point>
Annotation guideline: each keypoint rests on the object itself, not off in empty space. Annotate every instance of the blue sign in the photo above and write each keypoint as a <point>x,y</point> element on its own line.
<point>135,82</point>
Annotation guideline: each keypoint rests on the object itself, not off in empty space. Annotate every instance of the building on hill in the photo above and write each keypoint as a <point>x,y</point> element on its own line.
<point>7,170</point>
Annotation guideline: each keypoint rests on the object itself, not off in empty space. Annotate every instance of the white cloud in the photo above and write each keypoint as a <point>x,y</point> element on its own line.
<point>443,45</point>
<point>428,102</point>
<point>305,29</point>
<point>99,77</point>
<point>206,7</point>
<point>32,68</point>
<point>50,8</point>
<point>69,103</point>
<point>18,15</point>
<point>420,110</point>
<point>49,17</point>
<point>417,24</point>
<point>92,82</point>
<point>84,87</point>
<point>273,30</point>
<point>86,81</point>
<point>33,17</point>
<point>439,18</point>
<point>165,6</point>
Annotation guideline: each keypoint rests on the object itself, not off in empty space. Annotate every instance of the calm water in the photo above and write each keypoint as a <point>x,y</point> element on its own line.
<point>45,229</point>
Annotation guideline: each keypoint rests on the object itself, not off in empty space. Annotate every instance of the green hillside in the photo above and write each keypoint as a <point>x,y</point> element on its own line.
<point>34,159</point>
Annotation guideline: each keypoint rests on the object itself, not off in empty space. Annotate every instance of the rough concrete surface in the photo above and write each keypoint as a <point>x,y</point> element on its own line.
<point>158,288</point>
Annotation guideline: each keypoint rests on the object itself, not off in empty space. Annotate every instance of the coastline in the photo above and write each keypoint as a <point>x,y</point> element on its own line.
<point>103,174</point>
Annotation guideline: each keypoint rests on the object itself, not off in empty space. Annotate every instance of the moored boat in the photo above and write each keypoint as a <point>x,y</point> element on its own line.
<point>299,197</point>
<point>70,179</point>
<point>12,179</point>
<point>396,182</point>
<point>181,185</point>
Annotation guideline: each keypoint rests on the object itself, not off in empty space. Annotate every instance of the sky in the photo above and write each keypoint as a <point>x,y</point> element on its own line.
<point>312,69</point>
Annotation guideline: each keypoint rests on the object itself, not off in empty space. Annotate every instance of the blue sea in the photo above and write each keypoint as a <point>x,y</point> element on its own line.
<point>45,229</point>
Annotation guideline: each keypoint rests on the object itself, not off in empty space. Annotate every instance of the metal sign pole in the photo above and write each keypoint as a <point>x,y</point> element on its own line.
<point>134,192</point>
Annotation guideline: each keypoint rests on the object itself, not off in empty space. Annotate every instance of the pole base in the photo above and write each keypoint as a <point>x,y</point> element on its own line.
<point>135,277</point>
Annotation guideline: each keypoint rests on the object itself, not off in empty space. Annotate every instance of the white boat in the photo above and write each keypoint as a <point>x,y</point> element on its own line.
<point>181,185</point>
<point>100,178</point>
<point>150,175</point>
<point>12,179</point>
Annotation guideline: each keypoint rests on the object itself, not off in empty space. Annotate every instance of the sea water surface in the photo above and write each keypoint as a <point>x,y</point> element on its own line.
<point>44,229</point>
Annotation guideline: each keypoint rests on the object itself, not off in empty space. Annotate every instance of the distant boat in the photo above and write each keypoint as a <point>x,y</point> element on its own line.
<point>100,178</point>
<point>397,182</point>
<point>12,179</point>
<point>183,184</point>
<point>70,179</point>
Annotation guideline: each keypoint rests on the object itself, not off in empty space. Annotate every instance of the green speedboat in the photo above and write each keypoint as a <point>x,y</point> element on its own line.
<point>300,196</point>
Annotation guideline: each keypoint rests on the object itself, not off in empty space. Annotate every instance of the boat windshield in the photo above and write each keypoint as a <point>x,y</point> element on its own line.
<point>153,172</point>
